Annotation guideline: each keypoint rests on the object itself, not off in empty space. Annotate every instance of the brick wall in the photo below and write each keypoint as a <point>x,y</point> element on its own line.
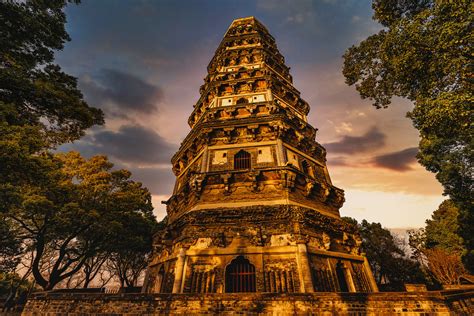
<point>435,303</point>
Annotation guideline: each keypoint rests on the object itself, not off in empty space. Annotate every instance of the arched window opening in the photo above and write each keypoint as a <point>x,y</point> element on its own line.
<point>240,276</point>
<point>341,278</point>
<point>242,160</point>
<point>242,101</point>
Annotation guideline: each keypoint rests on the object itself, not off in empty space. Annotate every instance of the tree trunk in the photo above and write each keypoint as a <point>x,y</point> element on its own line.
<point>87,280</point>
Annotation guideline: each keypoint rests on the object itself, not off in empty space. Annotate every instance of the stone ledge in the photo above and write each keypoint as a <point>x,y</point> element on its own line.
<point>389,296</point>
<point>388,303</point>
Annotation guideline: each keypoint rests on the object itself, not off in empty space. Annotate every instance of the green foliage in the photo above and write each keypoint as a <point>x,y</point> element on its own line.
<point>40,107</point>
<point>63,208</point>
<point>132,246</point>
<point>130,225</point>
<point>35,92</point>
<point>76,209</point>
<point>22,163</point>
<point>10,247</point>
<point>441,230</point>
<point>387,260</point>
<point>417,243</point>
<point>424,53</point>
<point>12,285</point>
<point>438,246</point>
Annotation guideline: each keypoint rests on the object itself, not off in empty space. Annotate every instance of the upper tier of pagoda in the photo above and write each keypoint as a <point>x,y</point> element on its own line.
<point>247,61</point>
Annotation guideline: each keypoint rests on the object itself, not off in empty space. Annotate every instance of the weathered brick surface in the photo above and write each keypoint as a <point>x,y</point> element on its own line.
<point>427,303</point>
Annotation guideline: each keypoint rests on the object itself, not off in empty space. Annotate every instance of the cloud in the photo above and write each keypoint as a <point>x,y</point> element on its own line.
<point>159,181</point>
<point>355,18</point>
<point>298,18</point>
<point>119,92</point>
<point>135,144</point>
<point>398,161</point>
<point>338,161</point>
<point>371,140</point>
<point>345,127</point>
<point>130,144</point>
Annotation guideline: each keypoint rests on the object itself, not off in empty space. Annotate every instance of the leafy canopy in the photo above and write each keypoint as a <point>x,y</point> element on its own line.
<point>34,91</point>
<point>424,53</point>
<point>438,246</point>
<point>441,230</point>
<point>10,248</point>
<point>40,106</point>
<point>76,210</point>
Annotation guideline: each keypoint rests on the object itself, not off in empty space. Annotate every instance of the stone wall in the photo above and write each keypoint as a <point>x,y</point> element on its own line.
<point>413,303</point>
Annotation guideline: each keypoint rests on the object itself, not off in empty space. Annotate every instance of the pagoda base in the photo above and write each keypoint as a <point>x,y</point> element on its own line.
<point>276,249</point>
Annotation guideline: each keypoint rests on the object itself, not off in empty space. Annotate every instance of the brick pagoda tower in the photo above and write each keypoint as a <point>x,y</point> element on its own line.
<point>253,208</point>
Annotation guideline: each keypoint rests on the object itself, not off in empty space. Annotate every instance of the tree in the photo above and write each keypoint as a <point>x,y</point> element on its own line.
<point>10,256</point>
<point>424,53</point>
<point>40,106</point>
<point>442,229</point>
<point>92,267</point>
<point>74,211</point>
<point>387,260</point>
<point>13,289</point>
<point>67,210</point>
<point>417,243</point>
<point>438,247</point>
<point>34,91</point>
<point>446,267</point>
<point>132,225</point>
<point>10,247</point>
<point>130,252</point>
<point>128,266</point>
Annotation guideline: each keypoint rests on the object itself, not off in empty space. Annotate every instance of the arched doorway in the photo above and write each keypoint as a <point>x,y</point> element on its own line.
<point>242,160</point>
<point>240,276</point>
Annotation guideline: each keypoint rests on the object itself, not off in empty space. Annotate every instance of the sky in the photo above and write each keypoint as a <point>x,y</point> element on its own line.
<point>142,63</point>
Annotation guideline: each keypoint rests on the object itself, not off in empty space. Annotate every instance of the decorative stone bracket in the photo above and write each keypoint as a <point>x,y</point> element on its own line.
<point>280,128</point>
<point>230,135</point>
<point>251,108</point>
<point>273,108</point>
<point>253,177</point>
<point>289,179</point>
<point>351,243</point>
<point>226,177</point>
<point>336,197</point>
<point>323,191</point>
<point>309,187</point>
<point>196,182</point>
<point>253,130</point>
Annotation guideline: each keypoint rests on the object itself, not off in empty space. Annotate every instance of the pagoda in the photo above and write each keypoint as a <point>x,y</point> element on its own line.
<point>253,208</point>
